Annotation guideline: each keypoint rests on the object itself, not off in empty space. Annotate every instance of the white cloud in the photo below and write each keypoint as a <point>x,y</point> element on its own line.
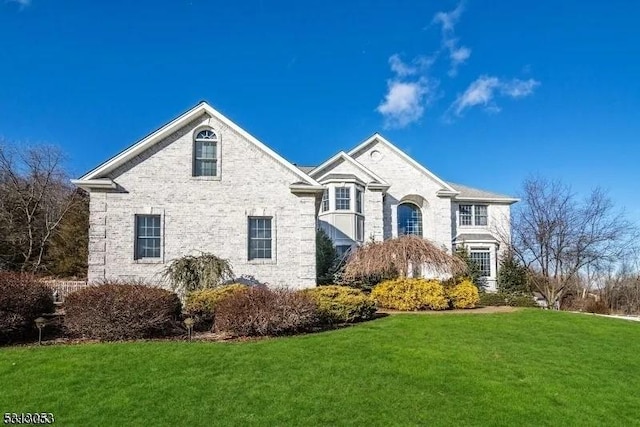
<point>458,55</point>
<point>405,102</point>
<point>448,20</point>
<point>400,67</point>
<point>519,88</point>
<point>484,90</point>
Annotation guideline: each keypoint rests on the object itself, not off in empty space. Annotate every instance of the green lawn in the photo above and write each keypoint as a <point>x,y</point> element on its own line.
<point>525,368</point>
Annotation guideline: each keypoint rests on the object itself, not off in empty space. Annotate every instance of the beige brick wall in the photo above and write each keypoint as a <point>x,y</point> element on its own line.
<point>204,214</point>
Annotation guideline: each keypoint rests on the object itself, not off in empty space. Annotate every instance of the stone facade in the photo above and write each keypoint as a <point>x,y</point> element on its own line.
<point>211,214</point>
<point>203,215</point>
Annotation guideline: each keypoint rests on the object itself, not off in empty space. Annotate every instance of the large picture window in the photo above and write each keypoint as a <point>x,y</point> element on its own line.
<point>409,219</point>
<point>148,236</point>
<point>205,154</point>
<point>260,238</point>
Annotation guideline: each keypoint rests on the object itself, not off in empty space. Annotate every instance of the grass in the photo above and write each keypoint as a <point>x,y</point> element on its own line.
<point>525,368</point>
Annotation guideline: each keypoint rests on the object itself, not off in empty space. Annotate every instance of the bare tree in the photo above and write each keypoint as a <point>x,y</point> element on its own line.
<point>397,257</point>
<point>34,197</point>
<point>559,237</point>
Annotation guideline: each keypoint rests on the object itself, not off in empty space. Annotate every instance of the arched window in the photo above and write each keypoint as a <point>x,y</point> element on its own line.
<point>205,153</point>
<point>409,219</point>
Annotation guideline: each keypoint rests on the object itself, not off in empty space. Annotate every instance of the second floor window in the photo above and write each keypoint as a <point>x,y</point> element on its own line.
<point>473,215</point>
<point>325,200</point>
<point>205,154</point>
<point>358,201</point>
<point>343,198</point>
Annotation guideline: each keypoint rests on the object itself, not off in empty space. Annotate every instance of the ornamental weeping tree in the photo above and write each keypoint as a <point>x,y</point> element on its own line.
<point>191,273</point>
<point>399,256</point>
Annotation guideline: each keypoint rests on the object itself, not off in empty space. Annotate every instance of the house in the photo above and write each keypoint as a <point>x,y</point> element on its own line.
<point>202,183</point>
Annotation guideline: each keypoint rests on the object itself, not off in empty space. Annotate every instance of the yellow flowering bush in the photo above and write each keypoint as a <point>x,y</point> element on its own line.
<point>409,294</point>
<point>341,304</point>
<point>464,295</point>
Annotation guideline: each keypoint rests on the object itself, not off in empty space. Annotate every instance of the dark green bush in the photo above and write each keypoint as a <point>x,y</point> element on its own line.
<point>117,311</point>
<point>340,304</point>
<point>260,311</point>
<point>510,299</point>
<point>22,300</point>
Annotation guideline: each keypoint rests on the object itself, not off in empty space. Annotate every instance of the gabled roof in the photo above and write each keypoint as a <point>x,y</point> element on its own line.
<point>469,193</point>
<point>379,138</point>
<point>202,108</point>
<point>347,158</point>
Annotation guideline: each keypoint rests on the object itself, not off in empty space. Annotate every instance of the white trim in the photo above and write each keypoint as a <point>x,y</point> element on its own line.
<point>105,184</point>
<point>344,156</point>
<point>377,137</point>
<point>176,124</point>
<point>507,200</point>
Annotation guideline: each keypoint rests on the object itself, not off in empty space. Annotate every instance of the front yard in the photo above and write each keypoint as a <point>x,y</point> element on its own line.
<point>529,367</point>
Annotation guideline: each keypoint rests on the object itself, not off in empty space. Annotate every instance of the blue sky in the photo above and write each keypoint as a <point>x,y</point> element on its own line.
<point>481,96</point>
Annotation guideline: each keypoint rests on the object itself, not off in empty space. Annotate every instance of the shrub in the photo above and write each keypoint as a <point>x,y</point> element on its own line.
<point>260,311</point>
<point>340,304</point>
<point>116,311</point>
<point>326,258</point>
<point>596,306</point>
<point>520,300</point>
<point>410,294</point>
<point>22,300</point>
<point>463,295</point>
<point>509,299</point>
<point>201,304</point>
<point>191,273</point>
<point>492,299</point>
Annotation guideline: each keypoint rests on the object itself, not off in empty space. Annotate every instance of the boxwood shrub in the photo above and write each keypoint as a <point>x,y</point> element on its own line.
<point>410,294</point>
<point>340,304</point>
<point>117,311</point>
<point>22,300</point>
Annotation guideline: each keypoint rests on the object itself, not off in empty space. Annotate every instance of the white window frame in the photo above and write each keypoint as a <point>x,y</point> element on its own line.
<point>485,251</point>
<point>359,200</point>
<point>136,238</point>
<point>339,197</point>
<point>215,139</point>
<point>250,239</point>
<point>324,206</point>
<point>473,215</point>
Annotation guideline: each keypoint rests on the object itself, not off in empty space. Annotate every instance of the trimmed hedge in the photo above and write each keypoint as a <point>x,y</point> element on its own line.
<point>201,305</point>
<point>463,295</point>
<point>409,294</point>
<point>340,304</point>
<point>505,299</point>
<point>22,300</point>
<point>259,311</point>
<point>117,311</point>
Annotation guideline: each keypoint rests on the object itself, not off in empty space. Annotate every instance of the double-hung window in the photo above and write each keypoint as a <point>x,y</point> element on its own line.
<point>205,154</point>
<point>325,200</point>
<point>482,257</point>
<point>343,198</point>
<point>358,200</point>
<point>260,238</point>
<point>148,236</point>
<point>475,215</point>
